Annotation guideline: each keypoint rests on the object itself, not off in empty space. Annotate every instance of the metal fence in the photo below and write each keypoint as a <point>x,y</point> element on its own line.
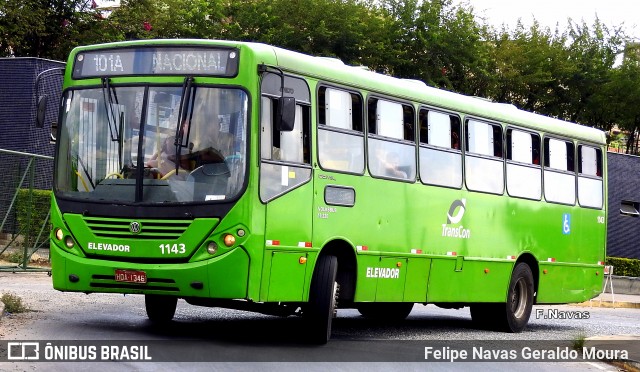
<point>25,199</point>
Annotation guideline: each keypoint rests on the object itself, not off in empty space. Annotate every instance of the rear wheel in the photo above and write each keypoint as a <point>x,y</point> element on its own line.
<point>321,308</point>
<point>385,310</point>
<point>519,300</point>
<point>160,309</point>
<point>513,315</point>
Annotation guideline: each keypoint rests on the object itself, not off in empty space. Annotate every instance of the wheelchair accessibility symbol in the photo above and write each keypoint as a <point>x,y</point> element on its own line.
<point>566,224</point>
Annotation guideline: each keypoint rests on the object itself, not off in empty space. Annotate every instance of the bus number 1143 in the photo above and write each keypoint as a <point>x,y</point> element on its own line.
<point>173,248</point>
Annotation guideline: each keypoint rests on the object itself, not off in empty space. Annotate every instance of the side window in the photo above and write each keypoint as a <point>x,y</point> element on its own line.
<point>286,155</point>
<point>483,164</point>
<point>440,153</point>
<point>559,173</point>
<point>391,150</point>
<point>524,173</point>
<point>590,177</point>
<point>340,135</point>
<point>279,145</point>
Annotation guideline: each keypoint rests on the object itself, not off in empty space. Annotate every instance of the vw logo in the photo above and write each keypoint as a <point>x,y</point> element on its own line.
<point>135,227</point>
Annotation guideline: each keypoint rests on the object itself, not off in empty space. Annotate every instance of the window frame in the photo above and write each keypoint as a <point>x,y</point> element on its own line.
<point>378,137</point>
<point>599,168</point>
<point>306,110</point>
<point>508,161</point>
<point>470,154</point>
<point>353,132</point>
<point>449,150</point>
<point>545,167</point>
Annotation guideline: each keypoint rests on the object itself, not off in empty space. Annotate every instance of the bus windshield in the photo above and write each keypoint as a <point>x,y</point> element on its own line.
<point>150,144</point>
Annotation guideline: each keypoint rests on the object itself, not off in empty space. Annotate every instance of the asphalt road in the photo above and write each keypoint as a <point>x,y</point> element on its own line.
<point>229,337</point>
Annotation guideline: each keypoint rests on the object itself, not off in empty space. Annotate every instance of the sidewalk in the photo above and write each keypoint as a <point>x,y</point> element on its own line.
<point>613,301</point>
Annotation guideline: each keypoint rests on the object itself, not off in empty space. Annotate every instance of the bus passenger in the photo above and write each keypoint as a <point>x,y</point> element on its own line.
<point>391,166</point>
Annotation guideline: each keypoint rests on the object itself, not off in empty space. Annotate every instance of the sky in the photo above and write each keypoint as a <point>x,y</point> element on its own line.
<point>551,12</point>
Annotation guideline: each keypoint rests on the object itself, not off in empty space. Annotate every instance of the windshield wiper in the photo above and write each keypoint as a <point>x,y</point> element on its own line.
<point>108,106</point>
<point>115,128</point>
<point>86,172</point>
<point>183,114</point>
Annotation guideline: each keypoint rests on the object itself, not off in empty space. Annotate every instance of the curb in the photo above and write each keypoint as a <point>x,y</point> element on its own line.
<point>609,304</point>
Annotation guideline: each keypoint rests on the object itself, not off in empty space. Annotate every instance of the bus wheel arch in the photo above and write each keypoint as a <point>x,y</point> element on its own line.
<point>513,314</point>
<point>333,269</point>
<point>531,261</point>
<point>347,268</point>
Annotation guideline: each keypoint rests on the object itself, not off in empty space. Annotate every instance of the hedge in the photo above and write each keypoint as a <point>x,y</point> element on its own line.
<point>39,209</point>
<point>624,266</point>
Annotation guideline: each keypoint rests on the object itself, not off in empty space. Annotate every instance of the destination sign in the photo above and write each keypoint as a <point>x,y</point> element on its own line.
<point>156,61</point>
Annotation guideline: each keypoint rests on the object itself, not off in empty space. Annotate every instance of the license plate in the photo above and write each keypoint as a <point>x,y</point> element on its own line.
<point>130,276</point>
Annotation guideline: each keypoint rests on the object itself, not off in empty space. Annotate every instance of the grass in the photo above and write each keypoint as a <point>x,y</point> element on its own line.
<point>14,257</point>
<point>578,342</point>
<point>13,304</point>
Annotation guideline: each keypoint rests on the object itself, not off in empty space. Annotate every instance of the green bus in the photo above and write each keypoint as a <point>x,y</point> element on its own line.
<point>245,176</point>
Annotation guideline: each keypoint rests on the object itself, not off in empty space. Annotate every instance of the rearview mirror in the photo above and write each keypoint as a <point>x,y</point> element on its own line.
<point>41,110</point>
<point>286,114</point>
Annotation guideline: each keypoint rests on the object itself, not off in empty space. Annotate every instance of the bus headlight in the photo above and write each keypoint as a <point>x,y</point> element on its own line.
<point>59,234</point>
<point>229,240</point>
<point>212,248</point>
<point>68,241</point>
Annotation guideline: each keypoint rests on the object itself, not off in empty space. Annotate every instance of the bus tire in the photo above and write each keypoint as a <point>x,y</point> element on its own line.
<point>160,309</point>
<point>323,295</point>
<point>385,310</point>
<point>519,300</point>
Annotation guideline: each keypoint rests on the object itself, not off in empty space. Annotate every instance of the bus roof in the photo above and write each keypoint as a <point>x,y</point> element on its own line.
<point>357,76</point>
<point>335,71</point>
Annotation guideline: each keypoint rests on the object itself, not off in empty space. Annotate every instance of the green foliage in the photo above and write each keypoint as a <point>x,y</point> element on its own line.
<point>49,29</point>
<point>13,304</point>
<point>569,72</point>
<point>14,257</point>
<point>578,342</point>
<point>32,210</point>
<point>624,266</point>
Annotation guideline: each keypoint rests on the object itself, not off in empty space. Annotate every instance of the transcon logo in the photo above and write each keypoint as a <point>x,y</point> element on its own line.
<point>456,203</point>
<point>458,207</point>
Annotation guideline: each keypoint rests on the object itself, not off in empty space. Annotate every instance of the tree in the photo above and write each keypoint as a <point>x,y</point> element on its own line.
<point>528,66</point>
<point>49,29</point>
<point>438,43</point>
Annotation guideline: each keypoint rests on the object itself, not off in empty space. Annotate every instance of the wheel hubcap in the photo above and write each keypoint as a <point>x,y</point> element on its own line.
<point>519,299</point>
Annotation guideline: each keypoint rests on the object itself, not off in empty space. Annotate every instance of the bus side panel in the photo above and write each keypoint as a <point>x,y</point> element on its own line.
<point>567,284</point>
<point>366,283</point>
<point>287,271</point>
<point>229,280</point>
<point>415,288</point>
<point>392,279</point>
<point>287,229</point>
<point>475,281</point>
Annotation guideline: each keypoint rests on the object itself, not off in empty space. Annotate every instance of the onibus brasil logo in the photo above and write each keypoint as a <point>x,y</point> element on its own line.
<point>454,216</point>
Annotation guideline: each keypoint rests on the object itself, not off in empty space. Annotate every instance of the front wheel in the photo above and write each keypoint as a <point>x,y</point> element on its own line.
<point>323,294</point>
<point>160,309</point>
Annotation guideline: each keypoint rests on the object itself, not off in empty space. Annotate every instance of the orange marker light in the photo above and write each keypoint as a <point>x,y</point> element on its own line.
<point>229,240</point>
<point>486,271</point>
<point>544,271</point>
<point>302,260</point>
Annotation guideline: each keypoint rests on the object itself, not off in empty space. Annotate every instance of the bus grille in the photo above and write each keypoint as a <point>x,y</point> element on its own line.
<point>151,229</point>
